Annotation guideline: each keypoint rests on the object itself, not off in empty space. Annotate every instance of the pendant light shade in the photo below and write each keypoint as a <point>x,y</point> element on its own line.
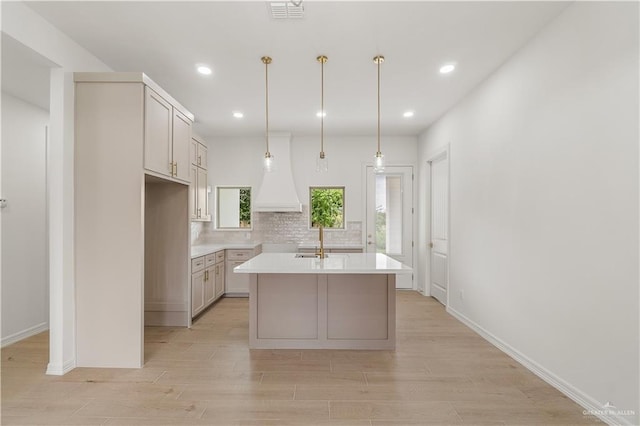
<point>322,164</point>
<point>268,163</point>
<point>378,159</point>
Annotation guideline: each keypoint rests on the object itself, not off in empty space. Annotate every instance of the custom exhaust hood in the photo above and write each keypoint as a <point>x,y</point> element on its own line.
<point>278,192</point>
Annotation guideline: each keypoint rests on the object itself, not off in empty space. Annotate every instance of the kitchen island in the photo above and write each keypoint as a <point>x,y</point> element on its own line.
<point>345,301</point>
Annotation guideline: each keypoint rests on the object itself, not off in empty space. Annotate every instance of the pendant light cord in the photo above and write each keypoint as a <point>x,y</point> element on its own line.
<point>322,61</point>
<point>379,61</point>
<point>266,60</point>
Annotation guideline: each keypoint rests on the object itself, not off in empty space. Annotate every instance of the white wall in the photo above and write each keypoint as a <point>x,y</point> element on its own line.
<point>30,29</point>
<point>25,309</point>
<point>544,204</point>
<point>238,161</point>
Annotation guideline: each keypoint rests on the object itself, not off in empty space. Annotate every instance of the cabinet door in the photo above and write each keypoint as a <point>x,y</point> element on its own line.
<point>202,205</point>
<point>193,192</point>
<point>157,133</point>
<point>236,283</point>
<point>181,145</point>
<point>219,279</point>
<point>197,292</point>
<point>193,152</point>
<point>202,156</point>
<point>210,286</point>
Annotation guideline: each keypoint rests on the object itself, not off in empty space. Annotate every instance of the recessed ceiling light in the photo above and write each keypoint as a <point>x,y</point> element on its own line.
<point>238,114</point>
<point>321,114</point>
<point>408,114</point>
<point>204,70</point>
<point>446,69</point>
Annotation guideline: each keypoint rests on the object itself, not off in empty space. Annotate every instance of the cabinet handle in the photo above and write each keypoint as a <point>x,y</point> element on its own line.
<point>171,168</point>
<point>175,169</point>
<point>199,160</point>
<point>199,212</point>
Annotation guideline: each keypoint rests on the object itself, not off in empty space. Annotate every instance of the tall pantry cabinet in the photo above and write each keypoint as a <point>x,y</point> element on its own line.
<point>132,231</point>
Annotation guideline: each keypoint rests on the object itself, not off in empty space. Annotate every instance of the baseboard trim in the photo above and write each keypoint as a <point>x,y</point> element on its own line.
<point>21,335</point>
<point>240,294</point>
<point>590,405</point>
<point>61,370</point>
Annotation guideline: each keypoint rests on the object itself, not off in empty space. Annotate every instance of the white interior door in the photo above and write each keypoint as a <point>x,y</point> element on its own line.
<point>439,245</point>
<point>389,208</point>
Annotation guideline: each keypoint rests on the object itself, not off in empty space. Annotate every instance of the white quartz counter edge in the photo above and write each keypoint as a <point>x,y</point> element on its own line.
<point>352,263</point>
<point>205,249</point>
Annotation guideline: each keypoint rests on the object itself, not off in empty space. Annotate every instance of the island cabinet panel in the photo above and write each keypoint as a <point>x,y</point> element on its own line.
<point>322,311</point>
<point>357,307</point>
<point>287,306</point>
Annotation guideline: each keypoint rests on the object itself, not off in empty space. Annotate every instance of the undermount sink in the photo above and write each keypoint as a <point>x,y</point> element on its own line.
<point>317,256</point>
<point>306,255</point>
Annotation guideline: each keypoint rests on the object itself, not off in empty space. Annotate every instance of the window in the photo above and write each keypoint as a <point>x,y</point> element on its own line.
<point>326,207</point>
<point>388,213</point>
<point>234,207</point>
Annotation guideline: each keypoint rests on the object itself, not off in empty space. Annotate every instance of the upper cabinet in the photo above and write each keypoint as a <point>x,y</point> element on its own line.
<point>198,152</point>
<point>199,194</point>
<point>167,137</point>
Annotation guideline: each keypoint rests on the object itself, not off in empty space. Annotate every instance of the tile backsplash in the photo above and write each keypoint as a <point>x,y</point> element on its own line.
<point>277,228</point>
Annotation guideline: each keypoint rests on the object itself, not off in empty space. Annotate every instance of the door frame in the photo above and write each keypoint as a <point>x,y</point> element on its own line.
<point>414,215</point>
<point>444,151</point>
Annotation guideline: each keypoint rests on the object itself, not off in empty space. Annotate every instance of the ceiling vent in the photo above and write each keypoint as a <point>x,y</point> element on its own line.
<point>286,10</point>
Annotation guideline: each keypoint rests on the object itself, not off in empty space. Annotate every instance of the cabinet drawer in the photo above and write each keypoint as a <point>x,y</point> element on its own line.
<point>197,264</point>
<point>239,254</point>
<point>210,259</point>
<point>219,256</point>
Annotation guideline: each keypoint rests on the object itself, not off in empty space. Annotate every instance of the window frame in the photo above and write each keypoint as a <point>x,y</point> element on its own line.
<point>217,201</point>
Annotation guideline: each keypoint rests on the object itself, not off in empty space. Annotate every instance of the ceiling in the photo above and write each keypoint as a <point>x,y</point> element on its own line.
<point>166,40</point>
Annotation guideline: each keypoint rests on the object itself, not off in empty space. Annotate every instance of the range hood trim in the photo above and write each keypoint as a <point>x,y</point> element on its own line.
<point>279,208</point>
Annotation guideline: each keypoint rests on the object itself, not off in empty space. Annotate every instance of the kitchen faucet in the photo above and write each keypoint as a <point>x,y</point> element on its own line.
<point>321,254</point>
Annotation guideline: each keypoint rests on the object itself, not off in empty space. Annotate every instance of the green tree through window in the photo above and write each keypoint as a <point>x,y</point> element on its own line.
<point>245,207</point>
<point>327,207</point>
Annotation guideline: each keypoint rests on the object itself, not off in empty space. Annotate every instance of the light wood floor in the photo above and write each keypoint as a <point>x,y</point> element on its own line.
<point>441,373</point>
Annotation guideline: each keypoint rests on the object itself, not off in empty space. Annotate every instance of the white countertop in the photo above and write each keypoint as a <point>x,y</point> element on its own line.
<point>336,263</point>
<point>204,249</point>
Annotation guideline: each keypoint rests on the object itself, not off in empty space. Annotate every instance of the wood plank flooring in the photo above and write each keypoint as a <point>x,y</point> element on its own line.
<point>441,373</point>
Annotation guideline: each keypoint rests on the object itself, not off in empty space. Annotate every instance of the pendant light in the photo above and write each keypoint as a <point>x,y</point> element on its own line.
<point>268,158</point>
<point>322,164</point>
<point>378,165</point>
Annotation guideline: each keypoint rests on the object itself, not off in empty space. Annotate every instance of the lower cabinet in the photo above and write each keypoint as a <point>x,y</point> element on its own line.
<point>207,281</point>
<point>219,280</point>
<point>209,286</point>
<point>197,292</point>
<point>237,285</point>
